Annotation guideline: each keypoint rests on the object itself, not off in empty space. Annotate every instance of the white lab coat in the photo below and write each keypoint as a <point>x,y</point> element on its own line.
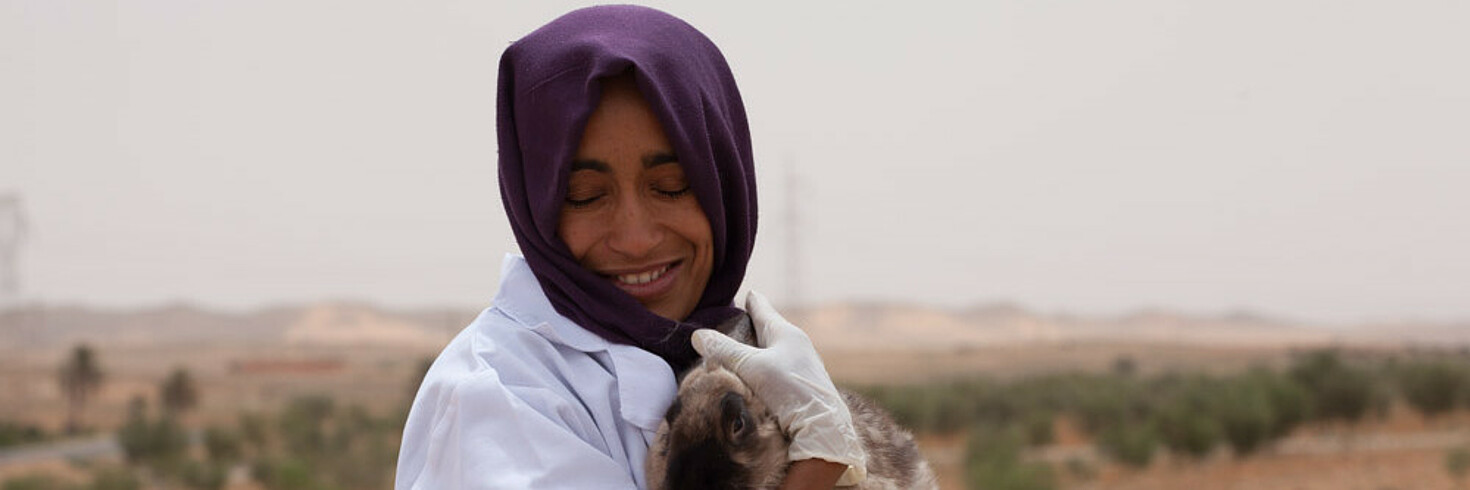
<point>524,398</point>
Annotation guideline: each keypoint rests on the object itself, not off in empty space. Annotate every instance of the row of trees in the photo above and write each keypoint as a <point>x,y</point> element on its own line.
<point>310,444</point>
<point>1131,419</point>
<point>81,377</point>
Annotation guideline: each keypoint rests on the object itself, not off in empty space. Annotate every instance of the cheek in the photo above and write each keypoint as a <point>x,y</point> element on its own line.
<point>578,233</point>
<point>694,227</point>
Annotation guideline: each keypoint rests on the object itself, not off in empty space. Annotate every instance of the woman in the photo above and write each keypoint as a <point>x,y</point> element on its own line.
<point>625,169</point>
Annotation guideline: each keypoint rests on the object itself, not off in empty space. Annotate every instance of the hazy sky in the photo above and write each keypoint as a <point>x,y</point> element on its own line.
<point>1307,159</point>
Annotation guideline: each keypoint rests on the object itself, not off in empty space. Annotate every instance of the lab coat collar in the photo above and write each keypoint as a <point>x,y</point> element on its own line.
<point>646,385</point>
<point>521,297</point>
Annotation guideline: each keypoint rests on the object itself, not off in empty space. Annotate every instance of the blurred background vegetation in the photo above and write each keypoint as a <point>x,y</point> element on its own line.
<point>1038,431</point>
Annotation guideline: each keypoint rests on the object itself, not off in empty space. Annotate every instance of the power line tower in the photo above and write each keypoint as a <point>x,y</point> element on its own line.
<point>12,234</point>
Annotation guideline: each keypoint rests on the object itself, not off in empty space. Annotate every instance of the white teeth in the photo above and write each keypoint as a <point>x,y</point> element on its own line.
<point>644,278</point>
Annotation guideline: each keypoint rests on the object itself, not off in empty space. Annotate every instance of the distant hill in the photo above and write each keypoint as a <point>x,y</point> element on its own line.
<point>885,325</point>
<point>40,327</point>
<point>839,326</point>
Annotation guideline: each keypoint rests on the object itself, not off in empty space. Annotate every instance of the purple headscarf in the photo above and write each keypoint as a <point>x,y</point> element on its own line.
<point>550,84</point>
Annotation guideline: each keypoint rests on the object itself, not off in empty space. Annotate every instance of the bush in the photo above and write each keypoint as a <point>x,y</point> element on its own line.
<point>939,407</point>
<point>1433,388</point>
<point>15,434</point>
<point>1337,391</point>
<point>993,462</point>
<point>1187,422</point>
<point>285,474</point>
<point>1130,444</point>
<point>1246,414</point>
<point>1038,428</point>
<point>160,444</point>
<point>1290,403</point>
<point>1106,403</point>
<point>114,478</point>
<point>254,433</point>
<point>36,482</point>
<point>303,425</point>
<point>203,476</point>
<point>1457,463</point>
<point>222,445</point>
<point>316,446</point>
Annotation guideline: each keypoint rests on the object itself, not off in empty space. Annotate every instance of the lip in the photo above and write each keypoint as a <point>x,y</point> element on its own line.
<point>652,289</point>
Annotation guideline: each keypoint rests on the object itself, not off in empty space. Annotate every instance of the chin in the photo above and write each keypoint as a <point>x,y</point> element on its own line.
<point>676,311</point>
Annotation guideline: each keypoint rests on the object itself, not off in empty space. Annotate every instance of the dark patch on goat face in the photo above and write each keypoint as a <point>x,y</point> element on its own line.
<point>704,464</point>
<point>716,435</point>
<point>707,460</point>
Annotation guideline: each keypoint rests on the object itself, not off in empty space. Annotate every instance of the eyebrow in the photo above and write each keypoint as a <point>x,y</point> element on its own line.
<point>597,165</point>
<point>660,158</point>
<point>649,161</point>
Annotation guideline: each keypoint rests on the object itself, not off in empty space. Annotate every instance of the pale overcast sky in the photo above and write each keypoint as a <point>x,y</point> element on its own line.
<point>1309,159</point>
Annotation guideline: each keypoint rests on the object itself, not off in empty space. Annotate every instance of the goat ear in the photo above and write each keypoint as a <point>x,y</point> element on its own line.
<point>734,417</point>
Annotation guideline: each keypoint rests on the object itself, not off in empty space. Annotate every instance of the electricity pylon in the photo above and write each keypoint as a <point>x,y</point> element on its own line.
<point>12,233</point>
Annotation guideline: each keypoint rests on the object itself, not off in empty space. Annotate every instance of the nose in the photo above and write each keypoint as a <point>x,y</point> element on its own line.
<point>636,231</point>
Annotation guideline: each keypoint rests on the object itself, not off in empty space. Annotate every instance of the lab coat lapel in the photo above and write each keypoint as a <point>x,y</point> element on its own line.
<point>646,385</point>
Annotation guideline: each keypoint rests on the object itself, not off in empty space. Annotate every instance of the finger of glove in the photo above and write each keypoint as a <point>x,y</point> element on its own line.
<point>721,349</point>
<point>770,326</point>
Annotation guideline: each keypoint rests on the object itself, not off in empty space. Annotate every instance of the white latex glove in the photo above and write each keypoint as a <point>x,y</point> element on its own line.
<point>786,373</point>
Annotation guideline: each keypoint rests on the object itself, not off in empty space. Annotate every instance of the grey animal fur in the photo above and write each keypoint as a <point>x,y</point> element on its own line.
<point>718,436</point>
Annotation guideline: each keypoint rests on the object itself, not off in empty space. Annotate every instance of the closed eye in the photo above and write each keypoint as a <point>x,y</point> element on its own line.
<point>675,194</point>
<point>582,203</point>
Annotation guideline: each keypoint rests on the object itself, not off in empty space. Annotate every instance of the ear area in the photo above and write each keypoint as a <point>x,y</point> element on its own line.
<point>735,418</point>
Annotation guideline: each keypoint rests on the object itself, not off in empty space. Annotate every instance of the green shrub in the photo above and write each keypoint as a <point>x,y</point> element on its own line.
<point>1105,403</point>
<point>38,481</point>
<point>1186,420</point>
<point>14,434</point>
<point>1337,391</point>
<point>284,473</point>
<point>160,444</point>
<point>993,462</point>
<point>203,476</point>
<point>1038,427</point>
<point>114,478</point>
<point>1433,388</point>
<point>303,423</point>
<point>1130,444</point>
<point>1246,414</point>
<point>1290,402</point>
<point>222,445</point>
<point>254,433</point>
<point>1080,469</point>
<point>1457,463</point>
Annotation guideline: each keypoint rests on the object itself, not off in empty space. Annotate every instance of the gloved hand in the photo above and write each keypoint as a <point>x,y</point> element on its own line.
<point>786,373</point>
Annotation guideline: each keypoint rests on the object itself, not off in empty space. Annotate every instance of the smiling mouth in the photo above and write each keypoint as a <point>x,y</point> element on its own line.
<point>648,284</point>
<point>641,278</point>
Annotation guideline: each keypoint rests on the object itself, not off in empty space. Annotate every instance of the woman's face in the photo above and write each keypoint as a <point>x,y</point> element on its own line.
<point>630,214</point>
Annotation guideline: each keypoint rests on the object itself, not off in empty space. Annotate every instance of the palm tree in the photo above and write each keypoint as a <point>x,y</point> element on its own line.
<point>178,393</point>
<point>80,377</point>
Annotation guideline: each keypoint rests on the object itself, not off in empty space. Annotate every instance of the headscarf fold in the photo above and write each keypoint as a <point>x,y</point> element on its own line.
<point>550,82</point>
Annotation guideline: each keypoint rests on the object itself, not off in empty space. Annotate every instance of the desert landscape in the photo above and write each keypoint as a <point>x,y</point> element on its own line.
<point>367,360</point>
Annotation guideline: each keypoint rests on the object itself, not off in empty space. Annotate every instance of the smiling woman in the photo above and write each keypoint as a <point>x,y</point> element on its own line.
<point>630,215</point>
<point>626,172</point>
